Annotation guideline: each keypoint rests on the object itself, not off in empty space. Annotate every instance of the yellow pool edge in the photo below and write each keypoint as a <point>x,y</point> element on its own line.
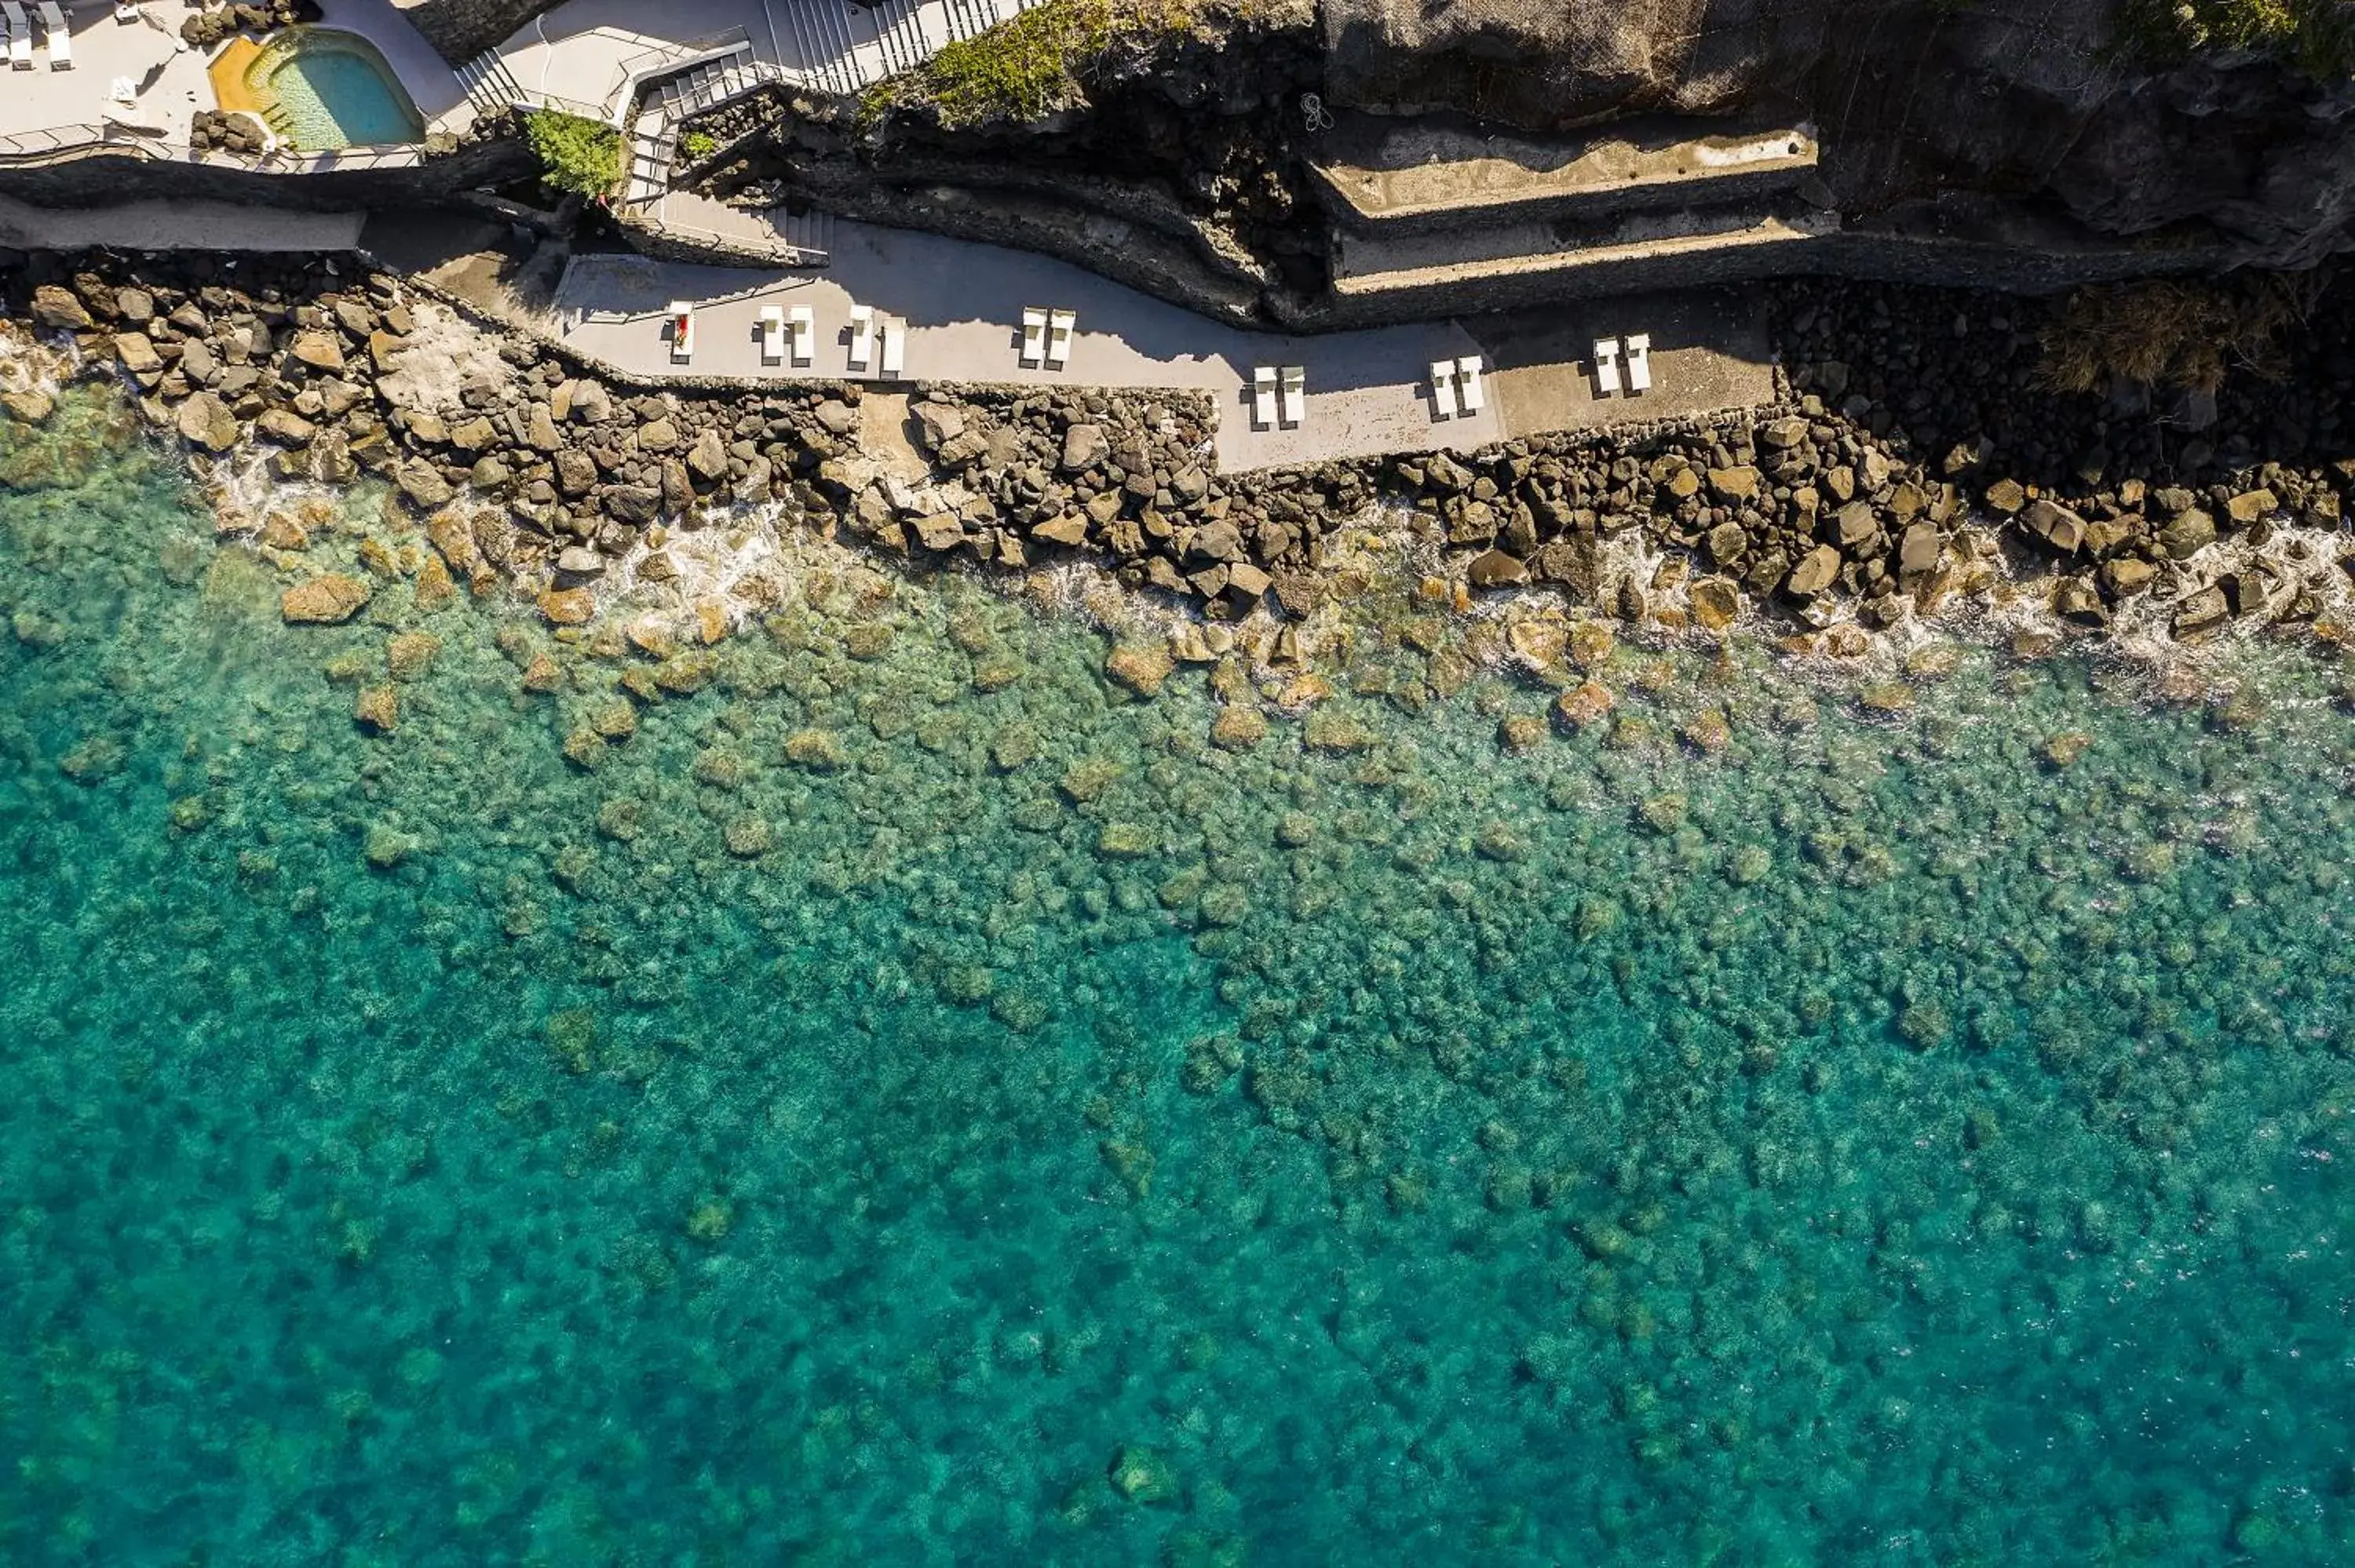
<point>231,90</point>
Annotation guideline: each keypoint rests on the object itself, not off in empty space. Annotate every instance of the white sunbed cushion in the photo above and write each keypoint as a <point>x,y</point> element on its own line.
<point>1263,395</point>
<point>1606,366</point>
<point>1469,371</point>
<point>1442,388</point>
<point>1639,364</point>
<point>805,328</point>
<point>1296,395</point>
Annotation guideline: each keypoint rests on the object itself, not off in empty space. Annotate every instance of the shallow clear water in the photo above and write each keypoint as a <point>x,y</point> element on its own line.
<point>1911,1135</point>
<point>337,97</point>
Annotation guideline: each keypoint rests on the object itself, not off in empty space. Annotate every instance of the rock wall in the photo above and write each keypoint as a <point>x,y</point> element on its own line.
<point>461,29</point>
<point>98,178</point>
<point>2022,98</point>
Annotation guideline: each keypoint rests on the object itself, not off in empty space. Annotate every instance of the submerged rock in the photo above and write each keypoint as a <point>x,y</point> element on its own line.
<point>326,599</point>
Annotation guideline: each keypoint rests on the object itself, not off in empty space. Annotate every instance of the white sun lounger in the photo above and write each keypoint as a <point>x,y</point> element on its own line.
<point>1059,337</point>
<point>1295,394</point>
<point>1034,336</point>
<point>804,334</point>
<point>682,329</point>
<point>1606,366</point>
<point>1442,388</point>
<point>60,37</point>
<point>1263,397</point>
<point>1639,363</point>
<point>20,35</point>
<point>773,335</point>
<point>895,347</point>
<point>1468,371</point>
<point>863,335</point>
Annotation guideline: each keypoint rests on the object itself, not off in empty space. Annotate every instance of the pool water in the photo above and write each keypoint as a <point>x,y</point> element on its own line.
<point>334,93</point>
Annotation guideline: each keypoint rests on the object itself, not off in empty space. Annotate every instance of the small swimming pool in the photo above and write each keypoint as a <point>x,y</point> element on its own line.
<point>320,89</point>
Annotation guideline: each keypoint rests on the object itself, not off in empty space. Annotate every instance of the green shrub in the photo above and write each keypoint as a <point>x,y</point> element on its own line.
<point>698,146</point>
<point>575,154</point>
<point>2315,36</point>
<point>1031,66</point>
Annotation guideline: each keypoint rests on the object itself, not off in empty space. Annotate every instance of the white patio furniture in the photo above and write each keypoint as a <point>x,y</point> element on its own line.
<point>123,89</point>
<point>1468,370</point>
<point>59,35</point>
<point>126,13</point>
<point>895,347</point>
<point>1295,394</point>
<point>1263,397</point>
<point>863,335</point>
<point>1606,366</point>
<point>1639,363</point>
<point>1059,337</point>
<point>1034,336</point>
<point>1442,388</point>
<point>19,28</point>
<point>804,334</point>
<point>773,335</point>
<point>682,329</point>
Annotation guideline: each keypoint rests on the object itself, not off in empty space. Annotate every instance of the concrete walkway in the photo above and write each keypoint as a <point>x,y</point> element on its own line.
<point>1368,391</point>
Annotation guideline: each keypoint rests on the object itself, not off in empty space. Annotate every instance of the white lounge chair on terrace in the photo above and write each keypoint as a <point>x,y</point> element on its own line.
<point>60,37</point>
<point>1263,397</point>
<point>773,335</point>
<point>1468,370</point>
<point>804,334</point>
<point>1606,366</point>
<point>1034,336</point>
<point>1442,388</point>
<point>682,329</point>
<point>1295,394</point>
<point>19,28</point>
<point>1059,337</point>
<point>1639,363</point>
<point>863,335</point>
<point>895,347</point>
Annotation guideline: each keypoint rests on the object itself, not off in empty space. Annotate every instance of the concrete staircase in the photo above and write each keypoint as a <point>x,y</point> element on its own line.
<point>715,82</point>
<point>490,86</point>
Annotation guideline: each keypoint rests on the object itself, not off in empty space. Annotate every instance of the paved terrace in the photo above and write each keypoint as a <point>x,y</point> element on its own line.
<point>41,107</point>
<point>1368,391</point>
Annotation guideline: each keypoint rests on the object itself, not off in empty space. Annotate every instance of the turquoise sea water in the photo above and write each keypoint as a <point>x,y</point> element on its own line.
<point>1908,1132</point>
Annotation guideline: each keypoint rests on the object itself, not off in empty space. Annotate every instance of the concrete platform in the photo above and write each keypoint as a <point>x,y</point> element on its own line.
<point>1367,390</point>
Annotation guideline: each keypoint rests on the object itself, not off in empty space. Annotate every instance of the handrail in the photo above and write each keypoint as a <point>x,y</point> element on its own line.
<point>629,73</point>
<point>52,139</point>
<point>778,250</point>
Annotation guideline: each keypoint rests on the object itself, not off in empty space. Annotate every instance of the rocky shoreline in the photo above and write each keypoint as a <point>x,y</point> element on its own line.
<point>1890,485</point>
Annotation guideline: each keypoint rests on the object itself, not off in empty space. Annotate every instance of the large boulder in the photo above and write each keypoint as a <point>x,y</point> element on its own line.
<point>324,600</point>
<point>205,421</point>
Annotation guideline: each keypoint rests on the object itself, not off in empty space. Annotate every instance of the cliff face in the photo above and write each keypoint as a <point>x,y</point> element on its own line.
<point>2025,99</point>
<point>461,29</point>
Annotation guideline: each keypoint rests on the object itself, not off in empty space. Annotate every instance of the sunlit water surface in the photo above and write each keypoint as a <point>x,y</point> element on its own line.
<point>1909,1132</point>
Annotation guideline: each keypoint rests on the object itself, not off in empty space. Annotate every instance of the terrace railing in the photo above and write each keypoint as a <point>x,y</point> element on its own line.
<point>24,145</point>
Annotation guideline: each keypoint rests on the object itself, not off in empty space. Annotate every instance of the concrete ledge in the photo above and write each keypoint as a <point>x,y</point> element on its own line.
<point>1441,174</point>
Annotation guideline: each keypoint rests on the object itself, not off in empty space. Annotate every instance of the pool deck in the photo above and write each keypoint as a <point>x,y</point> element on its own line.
<point>172,80</point>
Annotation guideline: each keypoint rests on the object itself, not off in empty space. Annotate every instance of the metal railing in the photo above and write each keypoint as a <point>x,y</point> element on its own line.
<point>62,138</point>
<point>621,95</point>
<point>26,146</point>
